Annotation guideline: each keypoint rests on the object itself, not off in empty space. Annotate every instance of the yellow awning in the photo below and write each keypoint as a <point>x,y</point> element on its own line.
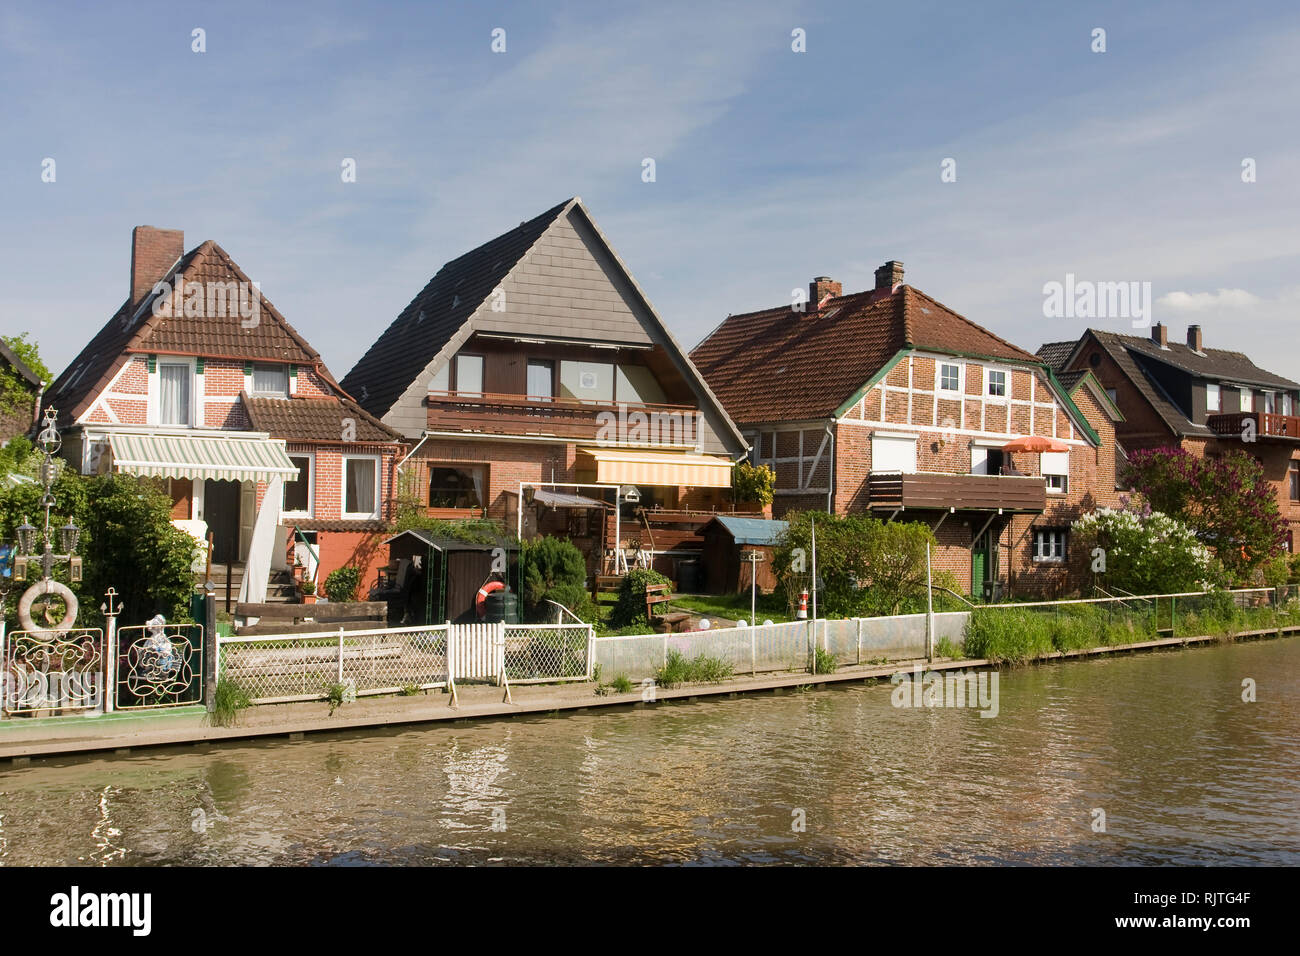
<point>664,469</point>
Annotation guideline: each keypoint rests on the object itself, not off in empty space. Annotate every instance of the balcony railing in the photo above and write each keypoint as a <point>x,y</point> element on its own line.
<point>500,414</point>
<point>891,490</point>
<point>1266,425</point>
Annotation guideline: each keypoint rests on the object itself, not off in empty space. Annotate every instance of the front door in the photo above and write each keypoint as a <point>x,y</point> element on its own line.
<point>982,563</point>
<point>221,511</point>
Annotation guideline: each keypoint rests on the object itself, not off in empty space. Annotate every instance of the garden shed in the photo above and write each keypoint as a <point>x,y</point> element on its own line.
<point>431,579</point>
<point>725,538</point>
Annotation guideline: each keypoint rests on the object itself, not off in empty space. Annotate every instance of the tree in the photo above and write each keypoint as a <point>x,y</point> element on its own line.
<point>867,566</point>
<point>16,393</point>
<point>756,483</point>
<point>1225,499</point>
<point>555,570</point>
<point>1147,552</point>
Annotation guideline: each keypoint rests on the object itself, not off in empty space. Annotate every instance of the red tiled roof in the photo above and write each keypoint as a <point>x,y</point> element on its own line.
<point>316,419</point>
<point>781,365</point>
<point>135,329</point>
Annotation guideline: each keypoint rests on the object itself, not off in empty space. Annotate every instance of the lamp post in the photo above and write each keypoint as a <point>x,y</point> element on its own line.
<point>36,547</point>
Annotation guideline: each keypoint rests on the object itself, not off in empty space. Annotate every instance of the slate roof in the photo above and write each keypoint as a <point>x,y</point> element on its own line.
<point>316,419</point>
<point>135,329</point>
<point>779,365</point>
<point>753,531</point>
<point>1131,351</point>
<point>1056,354</point>
<point>420,331</point>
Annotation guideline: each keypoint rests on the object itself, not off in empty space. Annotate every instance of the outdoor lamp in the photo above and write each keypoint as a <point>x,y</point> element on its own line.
<point>26,537</point>
<point>69,534</point>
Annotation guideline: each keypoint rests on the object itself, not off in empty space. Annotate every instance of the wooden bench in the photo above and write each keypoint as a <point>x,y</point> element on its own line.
<point>659,594</point>
<point>301,618</point>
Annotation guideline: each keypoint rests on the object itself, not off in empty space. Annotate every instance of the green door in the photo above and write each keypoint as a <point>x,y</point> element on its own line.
<point>978,568</point>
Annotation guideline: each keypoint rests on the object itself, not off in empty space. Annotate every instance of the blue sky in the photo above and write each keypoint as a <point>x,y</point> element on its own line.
<point>771,166</point>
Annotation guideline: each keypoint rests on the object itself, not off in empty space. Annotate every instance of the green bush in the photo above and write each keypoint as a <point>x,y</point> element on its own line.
<point>630,609</point>
<point>753,483</point>
<point>341,584</point>
<point>824,661</point>
<point>554,570</point>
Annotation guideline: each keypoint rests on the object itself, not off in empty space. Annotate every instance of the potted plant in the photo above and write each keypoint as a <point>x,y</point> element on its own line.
<point>297,569</point>
<point>308,588</point>
<point>754,487</point>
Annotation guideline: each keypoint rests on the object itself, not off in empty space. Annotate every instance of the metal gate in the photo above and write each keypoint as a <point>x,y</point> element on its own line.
<point>57,671</point>
<point>158,665</point>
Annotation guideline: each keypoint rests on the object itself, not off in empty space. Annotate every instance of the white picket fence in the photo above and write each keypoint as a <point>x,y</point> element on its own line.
<point>295,667</point>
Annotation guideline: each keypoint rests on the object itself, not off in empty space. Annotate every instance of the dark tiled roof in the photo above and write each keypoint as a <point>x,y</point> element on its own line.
<point>409,344</point>
<point>1068,379</point>
<point>315,419</point>
<point>1211,363</point>
<point>1151,390</point>
<point>134,328</point>
<point>1056,354</point>
<point>780,365</point>
<point>334,524</point>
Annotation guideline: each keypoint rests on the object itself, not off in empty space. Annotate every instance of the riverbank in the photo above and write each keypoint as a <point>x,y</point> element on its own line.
<point>23,740</point>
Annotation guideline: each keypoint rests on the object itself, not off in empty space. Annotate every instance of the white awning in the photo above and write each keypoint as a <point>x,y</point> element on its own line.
<point>219,457</point>
<point>665,469</point>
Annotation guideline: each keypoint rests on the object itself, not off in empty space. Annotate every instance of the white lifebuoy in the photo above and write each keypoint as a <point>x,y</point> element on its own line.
<point>480,603</point>
<point>39,590</point>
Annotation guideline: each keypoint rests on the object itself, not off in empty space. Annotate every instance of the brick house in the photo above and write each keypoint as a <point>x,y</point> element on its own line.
<point>534,364</point>
<point>888,402</point>
<point>198,381</point>
<point>1186,395</point>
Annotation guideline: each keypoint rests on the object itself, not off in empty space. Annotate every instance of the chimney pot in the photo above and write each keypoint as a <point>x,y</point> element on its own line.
<point>1160,335</point>
<point>1194,339</point>
<point>890,275</point>
<point>822,287</point>
<point>153,253</point>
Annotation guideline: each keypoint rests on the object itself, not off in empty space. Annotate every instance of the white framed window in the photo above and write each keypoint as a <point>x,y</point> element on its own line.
<point>893,453</point>
<point>1055,467</point>
<point>271,381</point>
<point>360,486</point>
<point>995,382</point>
<point>299,496</point>
<point>1247,400</point>
<point>176,393</point>
<point>1269,406</point>
<point>1050,545</point>
<point>1212,401</point>
<point>949,377</point>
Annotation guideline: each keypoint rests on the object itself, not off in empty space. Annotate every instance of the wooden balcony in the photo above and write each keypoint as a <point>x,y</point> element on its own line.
<point>498,414</point>
<point>1266,427</point>
<point>892,490</point>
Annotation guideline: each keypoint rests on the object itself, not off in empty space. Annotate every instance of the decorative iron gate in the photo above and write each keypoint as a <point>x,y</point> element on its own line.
<point>57,671</point>
<point>158,665</point>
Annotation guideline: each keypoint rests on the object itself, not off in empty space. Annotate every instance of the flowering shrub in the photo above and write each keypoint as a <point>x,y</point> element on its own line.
<point>1225,499</point>
<point>1148,552</point>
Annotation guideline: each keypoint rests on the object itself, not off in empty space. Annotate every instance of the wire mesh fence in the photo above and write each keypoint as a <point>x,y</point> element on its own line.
<point>537,653</point>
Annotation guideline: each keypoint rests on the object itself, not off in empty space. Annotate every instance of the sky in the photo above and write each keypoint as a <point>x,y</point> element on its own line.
<point>990,147</point>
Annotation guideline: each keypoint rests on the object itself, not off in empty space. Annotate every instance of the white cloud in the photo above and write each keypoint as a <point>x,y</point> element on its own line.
<point>1223,299</point>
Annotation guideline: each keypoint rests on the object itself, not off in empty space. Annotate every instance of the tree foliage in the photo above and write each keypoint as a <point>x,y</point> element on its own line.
<point>1226,500</point>
<point>16,393</point>
<point>753,483</point>
<point>868,567</point>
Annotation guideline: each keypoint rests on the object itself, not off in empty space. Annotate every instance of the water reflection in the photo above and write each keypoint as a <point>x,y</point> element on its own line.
<point>1184,770</point>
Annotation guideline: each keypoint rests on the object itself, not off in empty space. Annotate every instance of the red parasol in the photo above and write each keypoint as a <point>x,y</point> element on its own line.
<point>1035,444</point>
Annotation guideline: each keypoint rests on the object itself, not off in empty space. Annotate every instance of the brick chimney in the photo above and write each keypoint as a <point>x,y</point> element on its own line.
<point>1194,341</point>
<point>890,275</point>
<point>1160,335</point>
<point>824,286</point>
<point>153,253</point>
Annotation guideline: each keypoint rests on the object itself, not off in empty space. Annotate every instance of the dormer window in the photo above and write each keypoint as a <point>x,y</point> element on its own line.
<point>271,381</point>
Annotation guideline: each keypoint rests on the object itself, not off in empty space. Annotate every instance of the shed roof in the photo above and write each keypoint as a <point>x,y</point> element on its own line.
<point>755,531</point>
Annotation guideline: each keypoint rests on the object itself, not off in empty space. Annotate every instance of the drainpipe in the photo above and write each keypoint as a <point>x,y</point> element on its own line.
<point>830,471</point>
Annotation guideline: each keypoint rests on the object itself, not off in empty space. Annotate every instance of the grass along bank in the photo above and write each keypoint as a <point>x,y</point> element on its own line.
<point>1015,635</point>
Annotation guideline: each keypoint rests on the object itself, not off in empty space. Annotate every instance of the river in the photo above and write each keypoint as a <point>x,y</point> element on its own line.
<point>1184,770</point>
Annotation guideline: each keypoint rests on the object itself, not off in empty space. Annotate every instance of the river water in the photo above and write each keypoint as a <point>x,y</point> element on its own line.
<point>1184,770</point>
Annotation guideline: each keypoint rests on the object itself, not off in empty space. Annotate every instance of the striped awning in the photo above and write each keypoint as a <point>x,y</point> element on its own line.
<point>664,469</point>
<point>201,456</point>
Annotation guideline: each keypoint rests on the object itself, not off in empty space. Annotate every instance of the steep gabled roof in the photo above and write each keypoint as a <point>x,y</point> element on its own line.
<point>136,329</point>
<point>1056,354</point>
<point>317,420</point>
<point>1218,364</point>
<point>781,365</point>
<point>420,331</point>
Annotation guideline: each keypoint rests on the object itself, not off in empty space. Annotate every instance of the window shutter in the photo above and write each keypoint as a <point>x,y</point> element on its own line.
<point>153,363</point>
<point>198,365</point>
